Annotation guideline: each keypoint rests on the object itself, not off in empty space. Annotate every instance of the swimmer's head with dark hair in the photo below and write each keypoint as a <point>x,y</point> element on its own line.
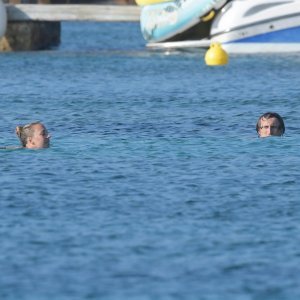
<point>269,124</point>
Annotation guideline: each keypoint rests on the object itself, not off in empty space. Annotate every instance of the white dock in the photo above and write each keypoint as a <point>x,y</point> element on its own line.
<point>73,12</point>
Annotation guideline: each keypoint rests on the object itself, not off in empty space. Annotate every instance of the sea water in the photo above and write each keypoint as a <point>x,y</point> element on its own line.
<point>156,185</point>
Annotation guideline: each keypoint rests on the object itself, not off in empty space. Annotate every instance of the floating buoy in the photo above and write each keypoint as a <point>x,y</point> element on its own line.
<point>216,55</point>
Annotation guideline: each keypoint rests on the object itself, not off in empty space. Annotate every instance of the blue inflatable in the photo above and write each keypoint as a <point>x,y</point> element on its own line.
<point>162,21</point>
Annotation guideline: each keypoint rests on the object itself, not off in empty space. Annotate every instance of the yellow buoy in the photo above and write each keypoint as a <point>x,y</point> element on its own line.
<point>149,2</point>
<point>216,55</point>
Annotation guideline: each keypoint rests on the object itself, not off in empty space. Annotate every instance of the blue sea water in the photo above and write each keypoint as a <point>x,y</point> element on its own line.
<point>156,185</point>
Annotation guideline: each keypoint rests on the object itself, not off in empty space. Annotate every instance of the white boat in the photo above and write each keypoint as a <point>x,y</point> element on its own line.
<point>251,26</point>
<point>3,19</point>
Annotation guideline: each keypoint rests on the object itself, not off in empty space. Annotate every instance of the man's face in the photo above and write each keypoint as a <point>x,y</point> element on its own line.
<point>269,127</point>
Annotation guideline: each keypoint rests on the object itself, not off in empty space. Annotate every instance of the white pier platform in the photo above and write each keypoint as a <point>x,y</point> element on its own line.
<point>73,12</point>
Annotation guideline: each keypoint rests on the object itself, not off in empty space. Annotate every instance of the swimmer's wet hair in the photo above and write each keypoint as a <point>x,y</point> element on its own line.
<point>269,115</point>
<point>24,132</point>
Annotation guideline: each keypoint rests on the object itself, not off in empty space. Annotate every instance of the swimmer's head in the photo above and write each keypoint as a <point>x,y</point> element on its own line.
<point>33,135</point>
<point>270,124</point>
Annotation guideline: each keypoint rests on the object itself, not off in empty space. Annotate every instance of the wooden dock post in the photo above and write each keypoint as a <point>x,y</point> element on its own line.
<point>31,35</point>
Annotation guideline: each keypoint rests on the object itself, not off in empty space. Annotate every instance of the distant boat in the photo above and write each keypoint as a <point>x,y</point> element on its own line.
<point>242,26</point>
<point>3,19</point>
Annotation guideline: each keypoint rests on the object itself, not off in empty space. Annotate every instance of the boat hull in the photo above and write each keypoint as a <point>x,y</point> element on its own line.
<point>257,27</point>
<point>252,26</point>
<point>286,40</point>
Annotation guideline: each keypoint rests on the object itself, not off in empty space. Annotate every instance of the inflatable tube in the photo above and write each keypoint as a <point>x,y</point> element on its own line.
<point>149,2</point>
<point>3,19</point>
<point>162,21</point>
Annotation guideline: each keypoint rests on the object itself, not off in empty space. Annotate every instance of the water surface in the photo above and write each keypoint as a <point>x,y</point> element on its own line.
<point>156,185</point>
